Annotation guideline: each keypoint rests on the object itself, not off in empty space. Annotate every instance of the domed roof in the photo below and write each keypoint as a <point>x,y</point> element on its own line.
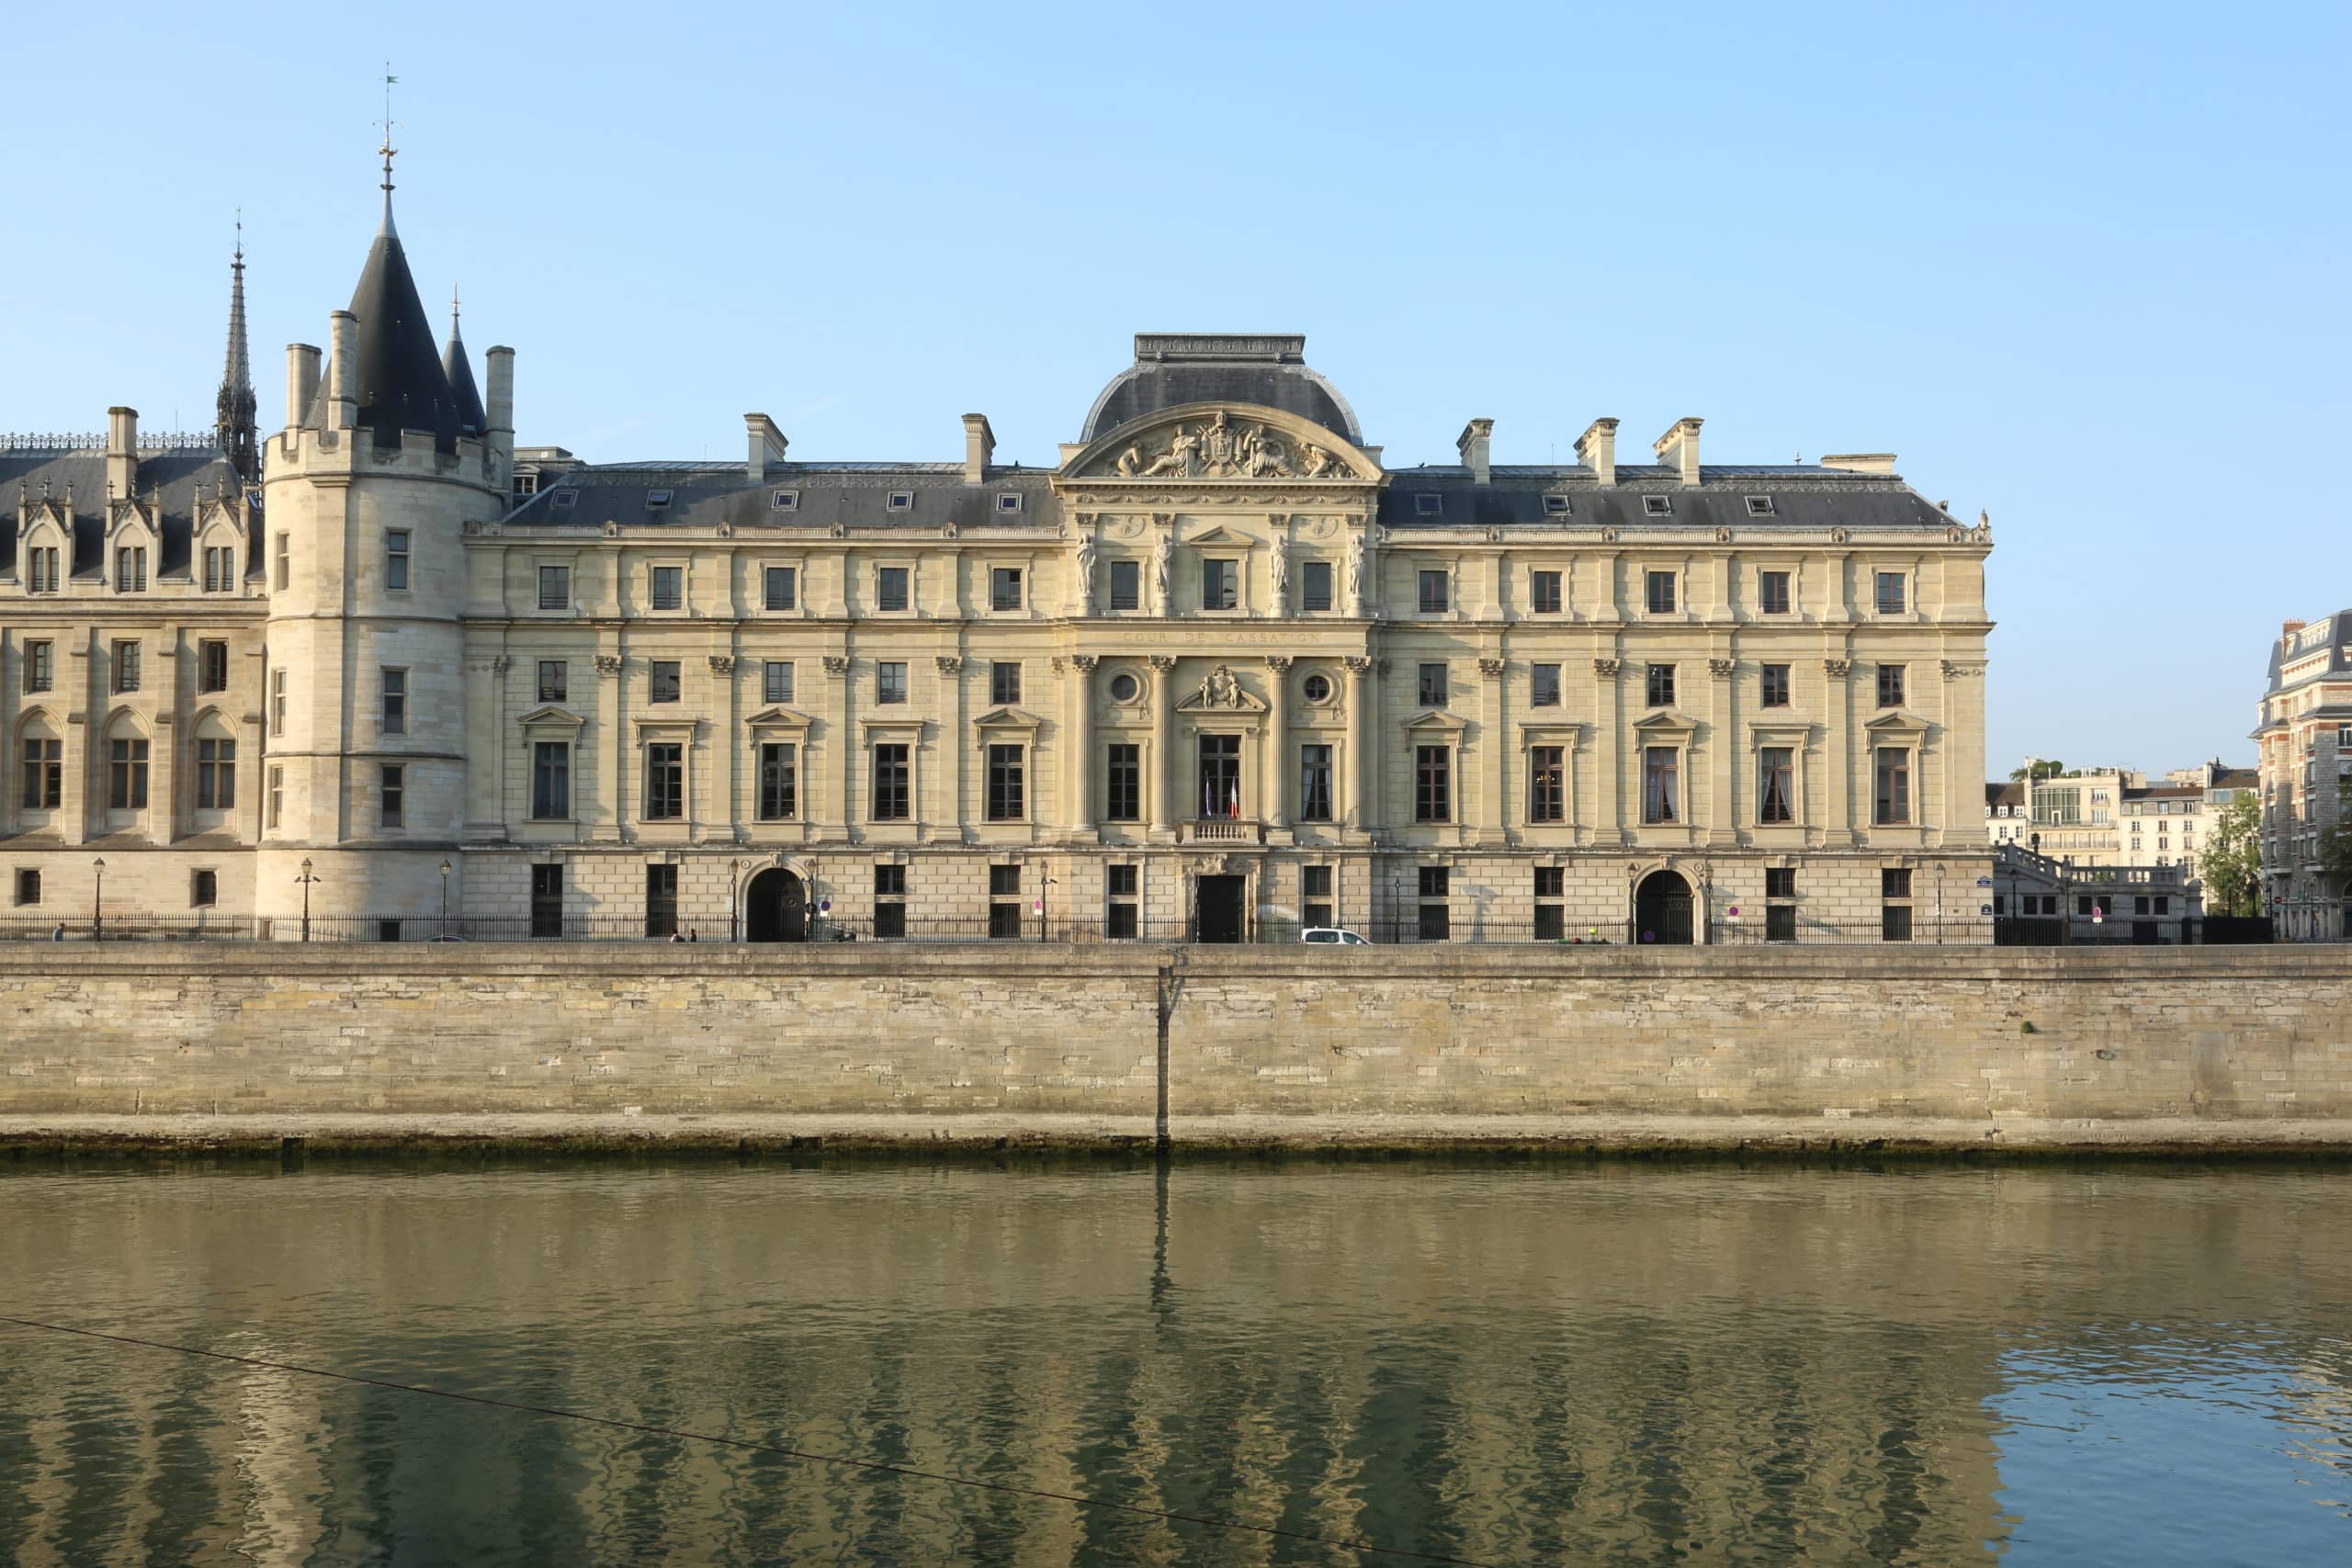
<point>1172,369</point>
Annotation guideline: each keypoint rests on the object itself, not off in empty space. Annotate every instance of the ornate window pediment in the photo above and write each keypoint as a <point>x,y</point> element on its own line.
<point>1666,724</point>
<point>1218,536</point>
<point>1435,721</point>
<point>1007,718</point>
<point>778,717</point>
<point>1221,691</point>
<point>1897,724</point>
<point>550,716</point>
<point>1222,442</point>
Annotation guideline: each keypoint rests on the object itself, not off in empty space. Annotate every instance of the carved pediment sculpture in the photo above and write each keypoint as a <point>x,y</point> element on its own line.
<point>1220,690</point>
<point>1224,444</point>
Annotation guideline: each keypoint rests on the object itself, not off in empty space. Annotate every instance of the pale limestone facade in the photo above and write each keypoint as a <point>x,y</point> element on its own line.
<point>2305,765</point>
<point>1214,672</point>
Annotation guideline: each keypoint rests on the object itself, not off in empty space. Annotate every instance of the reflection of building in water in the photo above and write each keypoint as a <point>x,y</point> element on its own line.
<point>1517,1367</point>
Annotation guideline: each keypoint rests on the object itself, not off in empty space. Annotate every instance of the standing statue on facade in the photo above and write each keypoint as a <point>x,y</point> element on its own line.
<point>1355,575</point>
<point>1281,563</point>
<point>1163,571</point>
<point>1086,573</point>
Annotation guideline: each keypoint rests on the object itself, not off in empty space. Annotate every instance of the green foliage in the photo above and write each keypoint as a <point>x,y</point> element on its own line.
<point>2047,769</point>
<point>2230,864</point>
<point>2335,854</point>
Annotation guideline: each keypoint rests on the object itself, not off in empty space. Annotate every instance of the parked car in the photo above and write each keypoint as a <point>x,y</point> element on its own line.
<point>1333,936</point>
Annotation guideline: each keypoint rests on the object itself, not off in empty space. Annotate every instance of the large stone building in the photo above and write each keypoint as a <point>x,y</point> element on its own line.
<point>1216,671</point>
<point>2306,762</point>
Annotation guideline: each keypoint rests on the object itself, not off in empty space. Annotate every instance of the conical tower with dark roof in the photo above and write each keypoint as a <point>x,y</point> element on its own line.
<point>470,419</point>
<point>398,382</point>
<point>234,410</point>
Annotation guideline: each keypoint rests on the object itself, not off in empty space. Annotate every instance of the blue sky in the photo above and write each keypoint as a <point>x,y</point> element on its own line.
<point>2079,266</point>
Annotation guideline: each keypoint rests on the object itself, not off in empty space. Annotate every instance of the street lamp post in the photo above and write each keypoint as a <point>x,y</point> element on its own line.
<point>445,901</point>
<point>304,882</point>
<point>1939,904</point>
<point>98,900</point>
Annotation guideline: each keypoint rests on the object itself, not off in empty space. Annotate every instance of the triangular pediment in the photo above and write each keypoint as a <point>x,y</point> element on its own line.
<point>1896,721</point>
<point>552,713</point>
<point>1223,444</point>
<point>777,716</point>
<point>1221,691</point>
<point>130,517</point>
<point>1220,534</point>
<point>1008,718</point>
<point>1437,719</point>
<point>1665,721</point>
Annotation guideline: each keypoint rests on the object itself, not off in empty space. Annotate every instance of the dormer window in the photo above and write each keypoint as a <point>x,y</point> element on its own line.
<point>1009,501</point>
<point>657,499</point>
<point>131,569</point>
<point>1759,506</point>
<point>784,500</point>
<point>41,569</point>
<point>1556,506</point>
<point>1657,506</point>
<point>565,500</point>
<point>1428,506</point>
<point>903,500</point>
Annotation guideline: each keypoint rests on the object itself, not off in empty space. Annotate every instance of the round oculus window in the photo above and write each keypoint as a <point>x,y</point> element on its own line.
<point>1124,687</point>
<point>1318,688</point>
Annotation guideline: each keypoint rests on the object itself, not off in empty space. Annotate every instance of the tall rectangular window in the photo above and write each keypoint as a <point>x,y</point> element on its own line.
<point>779,781</point>
<point>281,575</point>
<point>1314,783</point>
<point>1892,796</point>
<point>1122,783</point>
<point>780,587</point>
<point>396,560</point>
<point>1772,593</point>
<point>776,681</point>
<point>216,775</point>
<point>1890,685</point>
<point>890,681</point>
<point>1661,783</point>
<point>669,587</point>
<point>204,889</point>
<point>1004,684</point>
<point>40,571</point>
<point>1661,685</point>
<point>890,781</point>
<point>555,588</point>
<point>1548,784</point>
<point>1776,686</point>
<point>1436,916</point>
<point>889,588</point>
<point>1659,589</point>
<point>274,804</point>
<point>44,774</point>
<point>1433,594</point>
<point>1776,784</point>
<point>1430,689</point>
<point>1890,592</point>
<point>1315,585</point>
<point>392,796</point>
<point>1220,775</point>
<point>1126,585</point>
<point>550,780</point>
<point>126,667</point>
<point>1315,891</point>
<point>220,568</point>
<point>662,681</point>
<point>212,666</point>
<point>131,569</point>
<point>1220,585</point>
<point>1432,783</point>
<point>890,901</point>
<point>1005,802</point>
<point>27,886</point>
<point>1004,893</point>
<point>665,780</point>
<point>1544,595</point>
<point>1122,884</point>
<point>277,702</point>
<point>395,702</point>
<point>1004,588</point>
<point>554,679</point>
<point>1544,686</point>
<point>39,670</point>
<point>546,899</point>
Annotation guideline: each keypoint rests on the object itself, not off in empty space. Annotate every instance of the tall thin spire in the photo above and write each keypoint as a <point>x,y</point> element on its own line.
<point>388,150</point>
<point>234,410</point>
<point>471,421</point>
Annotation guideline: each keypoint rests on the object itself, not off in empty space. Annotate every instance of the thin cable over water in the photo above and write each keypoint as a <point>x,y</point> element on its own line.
<point>1334,1543</point>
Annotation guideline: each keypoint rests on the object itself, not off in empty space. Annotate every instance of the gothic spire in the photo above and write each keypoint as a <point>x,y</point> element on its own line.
<point>234,410</point>
<point>471,421</point>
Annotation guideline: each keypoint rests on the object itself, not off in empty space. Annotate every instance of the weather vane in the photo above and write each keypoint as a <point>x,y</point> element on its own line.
<point>388,149</point>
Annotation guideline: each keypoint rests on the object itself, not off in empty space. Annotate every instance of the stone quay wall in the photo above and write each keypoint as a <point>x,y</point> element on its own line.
<point>2171,1047</point>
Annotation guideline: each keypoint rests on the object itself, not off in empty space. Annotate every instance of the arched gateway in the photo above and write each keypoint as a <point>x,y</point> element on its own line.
<point>1662,910</point>
<point>775,907</point>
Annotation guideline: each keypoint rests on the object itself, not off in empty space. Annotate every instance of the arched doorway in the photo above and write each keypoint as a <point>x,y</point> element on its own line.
<point>1662,910</point>
<point>775,907</point>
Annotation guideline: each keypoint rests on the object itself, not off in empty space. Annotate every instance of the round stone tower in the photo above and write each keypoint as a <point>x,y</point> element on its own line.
<point>368,491</point>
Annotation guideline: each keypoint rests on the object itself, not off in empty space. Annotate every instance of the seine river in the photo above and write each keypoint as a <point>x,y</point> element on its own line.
<point>1496,1364</point>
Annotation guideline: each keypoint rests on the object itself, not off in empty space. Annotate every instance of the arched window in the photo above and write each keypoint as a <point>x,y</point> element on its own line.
<point>41,752</point>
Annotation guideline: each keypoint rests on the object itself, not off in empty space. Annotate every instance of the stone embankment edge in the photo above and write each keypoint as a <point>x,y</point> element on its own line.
<point>1593,1137</point>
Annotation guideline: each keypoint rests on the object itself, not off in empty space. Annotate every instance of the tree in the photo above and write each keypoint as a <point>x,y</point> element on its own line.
<point>2335,854</point>
<point>2044,770</point>
<point>2232,861</point>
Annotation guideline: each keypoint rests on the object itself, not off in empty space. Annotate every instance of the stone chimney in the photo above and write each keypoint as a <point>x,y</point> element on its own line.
<point>301,383</point>
<point>2289,628</point>
<point>343,370</point>
<point>1678,449</point>
<point>765,443</point>
<point>979,448</point>
<point>1596,449</point>
<point>122,452</point>
<point>1861,462</point>
<point>498,417</point>
<point>1475,443</point>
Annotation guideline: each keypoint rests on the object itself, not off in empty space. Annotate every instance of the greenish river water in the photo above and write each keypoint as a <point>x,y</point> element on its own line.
<point>1501,1364</point>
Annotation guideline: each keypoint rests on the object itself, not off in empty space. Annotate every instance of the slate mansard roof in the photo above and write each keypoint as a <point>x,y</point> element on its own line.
<point>855,495</point>
<point>2333,633</point>
<point>179,478</point>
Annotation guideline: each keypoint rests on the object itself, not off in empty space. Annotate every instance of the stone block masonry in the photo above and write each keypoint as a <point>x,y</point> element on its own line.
<point>2184,1048</point>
